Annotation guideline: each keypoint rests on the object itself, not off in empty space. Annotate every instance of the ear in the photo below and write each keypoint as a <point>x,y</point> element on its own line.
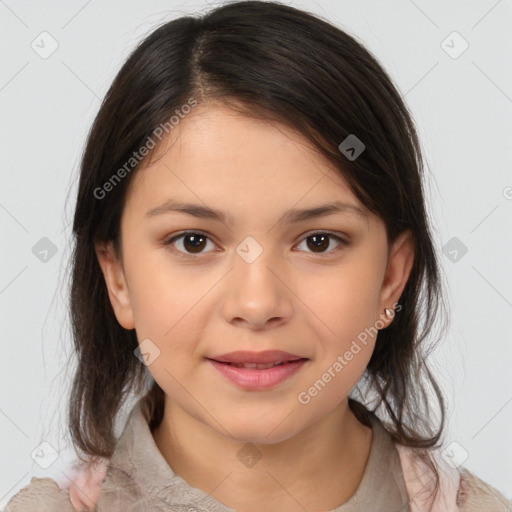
<point>116,283</point>
<point>400,262</point>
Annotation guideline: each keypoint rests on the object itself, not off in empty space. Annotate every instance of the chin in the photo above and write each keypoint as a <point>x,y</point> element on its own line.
<point>258,430</point>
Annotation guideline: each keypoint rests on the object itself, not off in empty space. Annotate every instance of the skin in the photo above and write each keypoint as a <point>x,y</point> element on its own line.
<point>309,302</point>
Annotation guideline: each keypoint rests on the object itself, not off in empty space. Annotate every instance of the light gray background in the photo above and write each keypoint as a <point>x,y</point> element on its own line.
<point>463,110</point>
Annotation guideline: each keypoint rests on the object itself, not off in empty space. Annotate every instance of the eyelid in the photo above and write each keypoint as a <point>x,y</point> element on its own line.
<point>341,236</point>
<point>342,241</point>
<point>168,241</point>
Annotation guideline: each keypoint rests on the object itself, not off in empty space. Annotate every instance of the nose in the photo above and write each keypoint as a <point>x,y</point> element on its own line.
<point>257,294</point>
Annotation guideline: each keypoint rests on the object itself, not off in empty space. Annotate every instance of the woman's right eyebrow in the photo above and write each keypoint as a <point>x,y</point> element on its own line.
<point>290,216</point>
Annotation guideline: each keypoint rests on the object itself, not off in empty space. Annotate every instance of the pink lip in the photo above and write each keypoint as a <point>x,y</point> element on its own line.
<point>254,379</point>
<point>266,356</point>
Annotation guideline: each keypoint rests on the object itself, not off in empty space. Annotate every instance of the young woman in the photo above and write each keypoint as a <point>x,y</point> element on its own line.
<point>254,264</point>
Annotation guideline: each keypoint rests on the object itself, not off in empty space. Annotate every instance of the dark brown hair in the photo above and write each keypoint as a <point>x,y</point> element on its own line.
<point>275,62</point>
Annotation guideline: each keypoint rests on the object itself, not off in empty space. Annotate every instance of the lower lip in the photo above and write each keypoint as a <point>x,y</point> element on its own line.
<point>254,379</point>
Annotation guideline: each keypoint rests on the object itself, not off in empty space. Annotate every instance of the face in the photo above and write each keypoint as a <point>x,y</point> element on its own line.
<point>255,276</point>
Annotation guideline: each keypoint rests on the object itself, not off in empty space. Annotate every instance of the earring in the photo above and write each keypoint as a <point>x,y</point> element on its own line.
<point>389,313</point>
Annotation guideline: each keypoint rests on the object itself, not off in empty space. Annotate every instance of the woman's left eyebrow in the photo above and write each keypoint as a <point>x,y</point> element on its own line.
<point>290,216</point>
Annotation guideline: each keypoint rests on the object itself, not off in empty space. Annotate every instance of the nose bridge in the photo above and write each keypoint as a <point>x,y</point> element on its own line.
<point>252,264</point>
<point>255,293</point>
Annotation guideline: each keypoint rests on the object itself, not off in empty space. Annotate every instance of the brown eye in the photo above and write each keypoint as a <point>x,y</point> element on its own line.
<point>194,243</point>
<point>190,242</point>
<point>320,242</point>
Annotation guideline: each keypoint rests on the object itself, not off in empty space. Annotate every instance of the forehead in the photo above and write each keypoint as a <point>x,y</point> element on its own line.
<point>220,157</point>
<point>214,132</point>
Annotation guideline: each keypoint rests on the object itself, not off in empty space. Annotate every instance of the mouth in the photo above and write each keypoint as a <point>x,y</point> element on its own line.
<point>259,366</point>
<point>257,359</point>
<point>255,375</point>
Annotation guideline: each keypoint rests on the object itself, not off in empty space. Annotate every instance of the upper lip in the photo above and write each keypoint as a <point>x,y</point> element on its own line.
<point>267,356</point>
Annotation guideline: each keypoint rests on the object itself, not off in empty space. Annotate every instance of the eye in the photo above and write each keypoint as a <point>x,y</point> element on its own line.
<point>321,241</point>
<point>192,242</point>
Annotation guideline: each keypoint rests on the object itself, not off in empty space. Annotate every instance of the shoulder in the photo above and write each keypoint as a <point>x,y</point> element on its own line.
<point>459,489</point>
<point>41,494</point>
<point>45,495</point>
<point>474,495</point>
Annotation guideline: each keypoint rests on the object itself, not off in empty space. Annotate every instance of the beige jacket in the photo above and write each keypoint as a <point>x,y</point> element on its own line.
<point>137,479</point>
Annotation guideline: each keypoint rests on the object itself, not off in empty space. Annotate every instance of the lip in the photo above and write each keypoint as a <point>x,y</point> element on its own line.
<point>266,356</point>
<point>252,379</point>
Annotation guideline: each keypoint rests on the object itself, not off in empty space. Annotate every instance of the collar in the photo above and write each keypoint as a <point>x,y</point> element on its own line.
<point>137,456</point>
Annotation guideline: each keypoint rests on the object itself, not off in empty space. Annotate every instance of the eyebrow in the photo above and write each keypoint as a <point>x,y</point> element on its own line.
<point>289,216</point>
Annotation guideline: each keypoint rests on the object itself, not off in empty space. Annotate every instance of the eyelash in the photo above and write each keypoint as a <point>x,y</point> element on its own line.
<point>170,241</point>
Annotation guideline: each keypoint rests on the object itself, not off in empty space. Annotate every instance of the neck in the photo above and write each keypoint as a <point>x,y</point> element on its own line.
<point>318,469</point>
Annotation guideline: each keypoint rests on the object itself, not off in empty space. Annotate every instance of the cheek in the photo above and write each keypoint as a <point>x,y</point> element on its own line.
<point>341,311</point>
<point>170,308</point>
<point>162,295</point>
<point>342,302</point>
